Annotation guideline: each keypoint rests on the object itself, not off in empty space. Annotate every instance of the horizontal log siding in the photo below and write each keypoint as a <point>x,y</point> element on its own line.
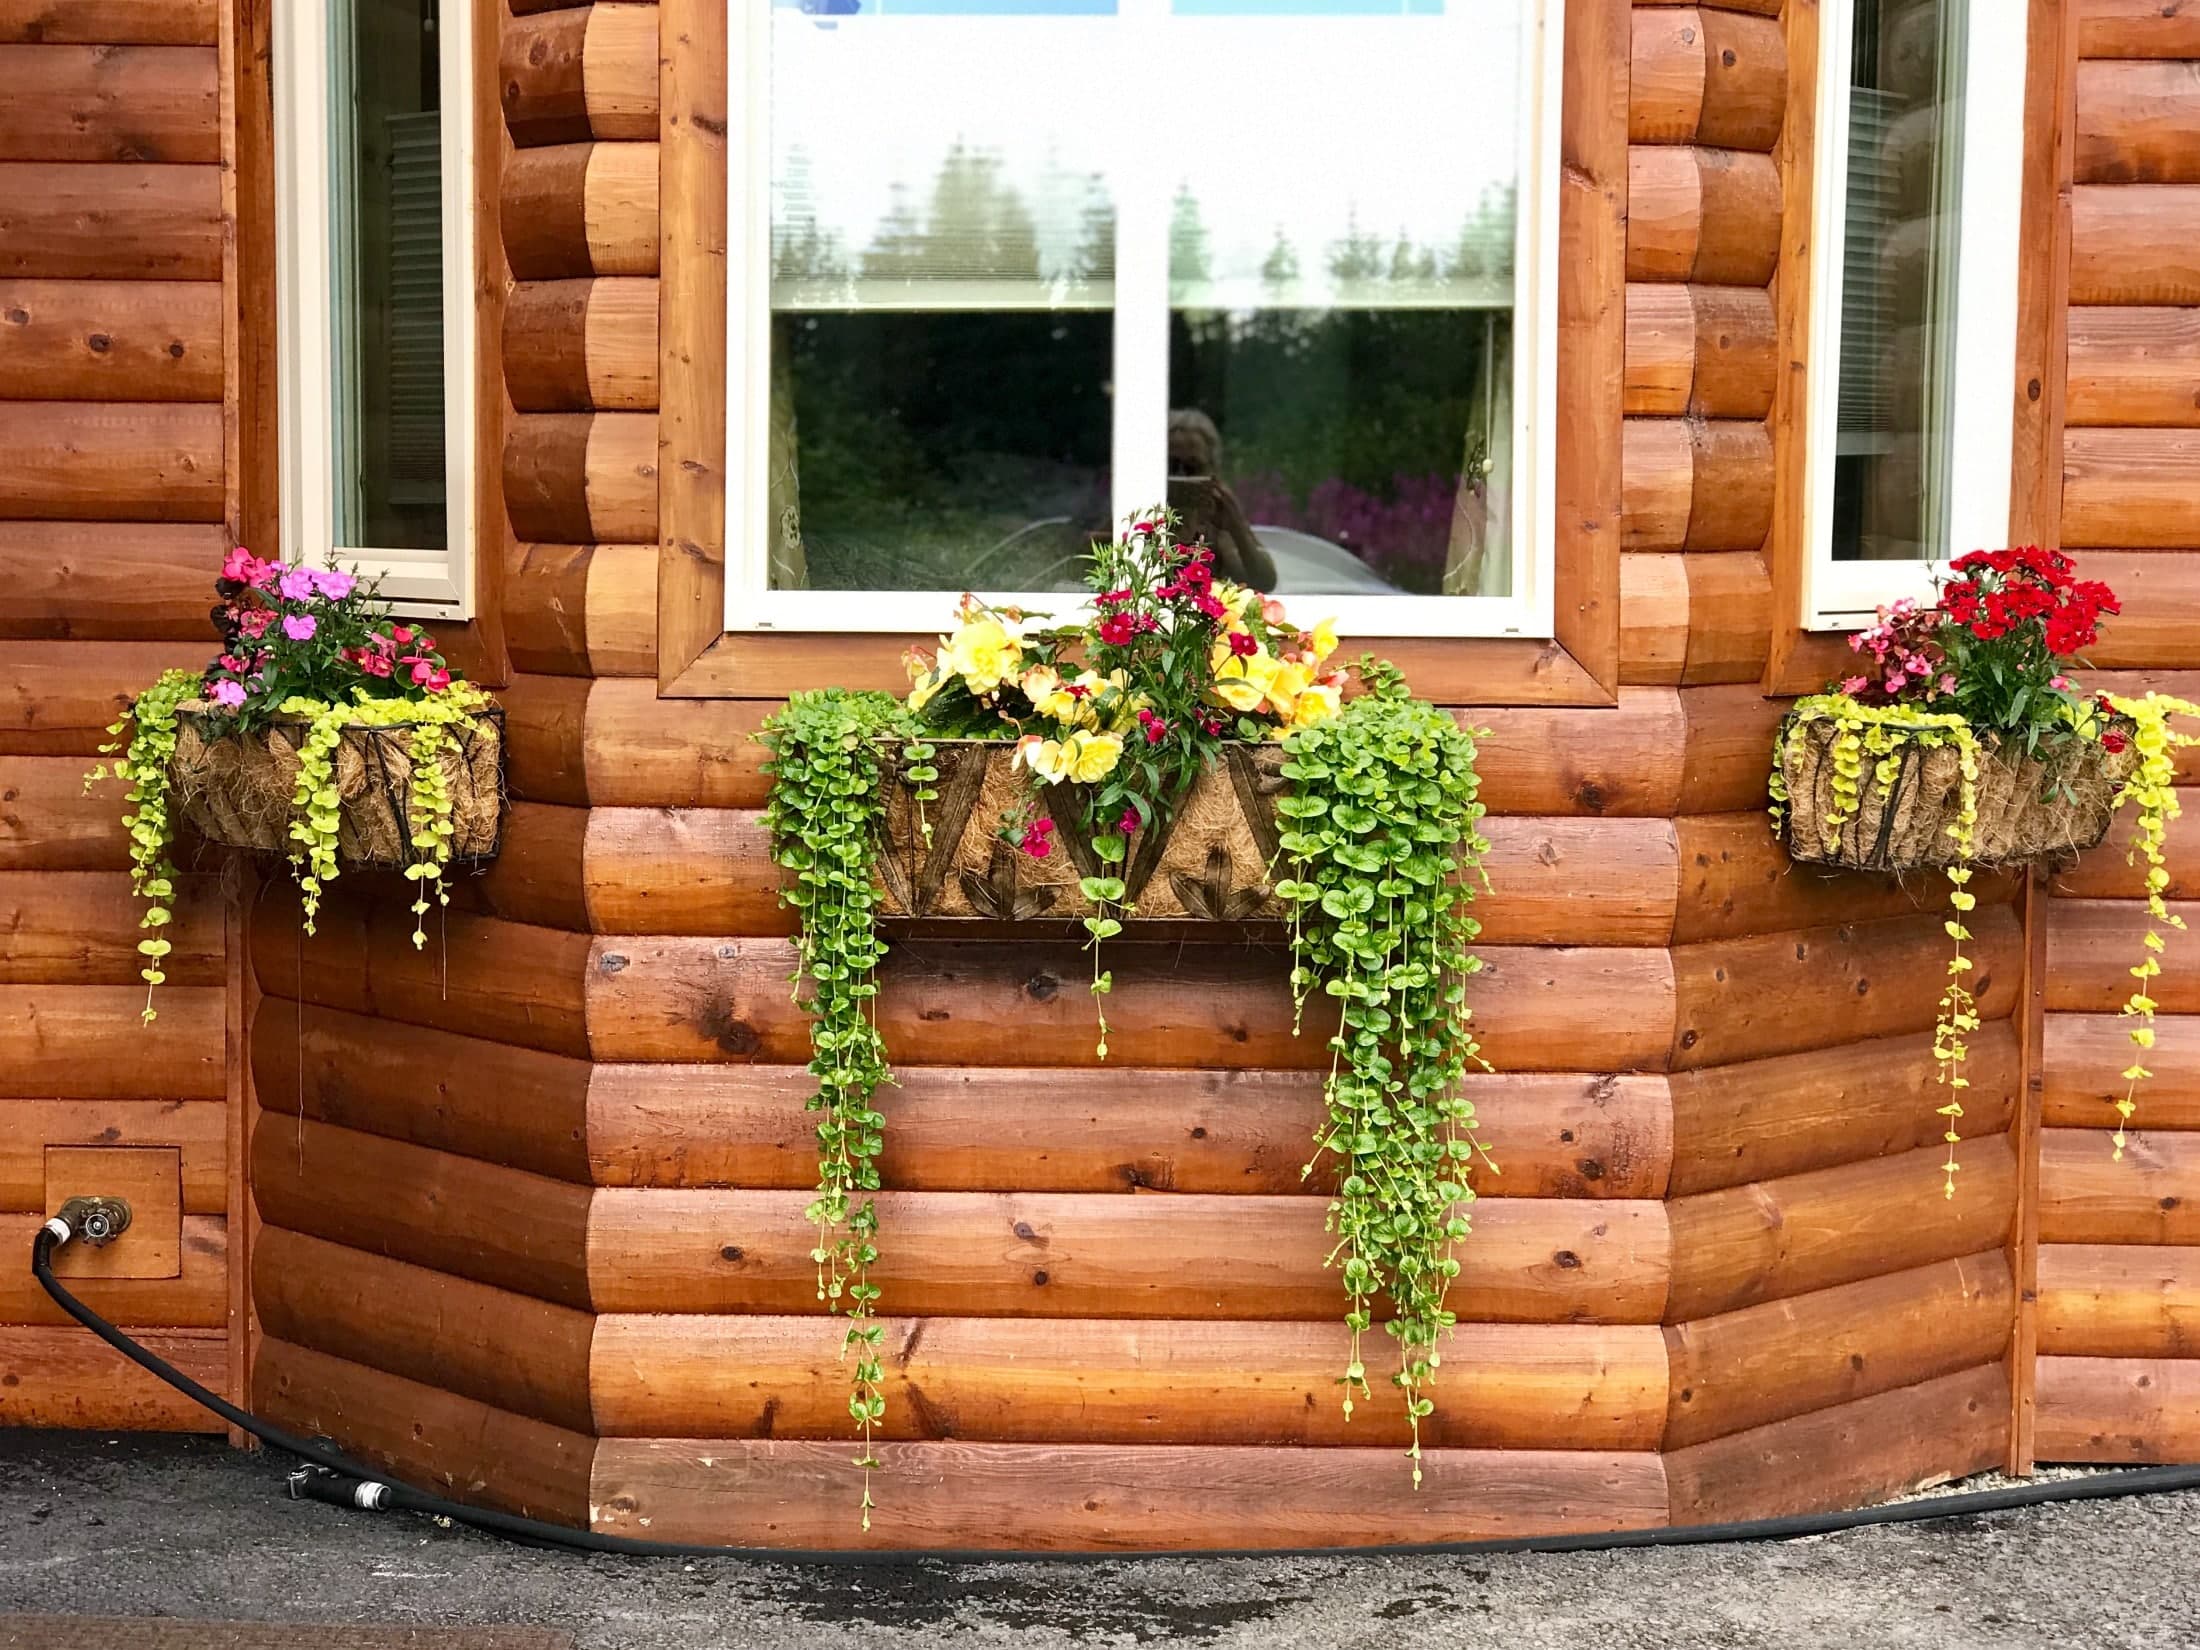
<point>112,503</point>
<point>2115,1284</point>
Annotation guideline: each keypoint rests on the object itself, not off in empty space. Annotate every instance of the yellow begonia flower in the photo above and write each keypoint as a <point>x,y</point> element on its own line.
<point>1049,697</point>
<point>1317,703</point>
<point>922,693</point>
<point>1047,758</point>
<point>1242,684</point>
<point>1092,756</point>
<point>1323,638</point>
<point>983,654</point>
<point>1284,685</point>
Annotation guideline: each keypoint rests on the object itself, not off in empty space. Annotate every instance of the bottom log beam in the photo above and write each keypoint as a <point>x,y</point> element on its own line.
<point>2131,1411</point>
<point>65,1378</point>
<point>1105,1498</point>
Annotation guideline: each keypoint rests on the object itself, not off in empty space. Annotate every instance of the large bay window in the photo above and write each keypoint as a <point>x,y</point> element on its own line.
<point>1919,174</point>
<point>375,243</point>
<point>1002,272</point>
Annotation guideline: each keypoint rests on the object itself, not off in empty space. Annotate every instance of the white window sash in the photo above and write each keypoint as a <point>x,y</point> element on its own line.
<point>428,583</point>
<point>1141,373</point>
<point>1840,595</point>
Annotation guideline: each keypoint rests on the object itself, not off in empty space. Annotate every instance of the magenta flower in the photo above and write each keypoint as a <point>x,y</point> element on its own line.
<point>241,565</point>
<point>230,694</point>
<point>296,584</point>
<point>299,627</point>
<point>335,585</point>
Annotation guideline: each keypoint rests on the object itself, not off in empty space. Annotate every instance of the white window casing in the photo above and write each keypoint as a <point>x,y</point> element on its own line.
<point>1140,409</point>
<point>1840,595</point>
<point>309,122</point>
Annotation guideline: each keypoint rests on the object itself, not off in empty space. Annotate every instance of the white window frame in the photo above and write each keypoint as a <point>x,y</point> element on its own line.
<point>428,583</point>
<point>1841,595</point>
<point>1141,374</point>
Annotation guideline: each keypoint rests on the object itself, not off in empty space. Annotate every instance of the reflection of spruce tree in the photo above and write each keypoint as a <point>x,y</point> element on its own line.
<point>1355,257</point>
<point>1483,249</point>
<point>802,252</point>
<point>897,249</point>
<point>1189,262</point>
<point>1092,266</point>
<point>1279,271</point>
<point>976,224</point>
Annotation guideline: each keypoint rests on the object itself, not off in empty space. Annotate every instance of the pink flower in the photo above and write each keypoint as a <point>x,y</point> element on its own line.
<point>1036,838</point>
<point>374,664</point>
<point>1854,684</point>
<point>299,627</point>
<point>335,585</point>
<point>1129,822</point>
<point>428,676</point>
<point>296,584</point>
<point>1947,684</point>
<point>230,694</point>
<point>401,634</point>
<point>1116,630</point>
<point>1896,682</point>
<point>241,565</point>
<point>2061,684</point>
<point>253,622</point>
<point>230,662</point>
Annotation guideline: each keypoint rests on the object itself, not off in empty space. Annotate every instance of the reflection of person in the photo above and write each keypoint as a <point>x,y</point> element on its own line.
<point>1209,511</point>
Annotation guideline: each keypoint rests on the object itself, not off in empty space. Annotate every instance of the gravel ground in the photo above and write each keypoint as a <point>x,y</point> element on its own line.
<point>186,1527</point>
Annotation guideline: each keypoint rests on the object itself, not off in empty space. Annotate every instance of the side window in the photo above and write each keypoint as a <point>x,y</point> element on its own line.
<point>1919,168</point>
<point>1016,268</point>
<point>375,254</point>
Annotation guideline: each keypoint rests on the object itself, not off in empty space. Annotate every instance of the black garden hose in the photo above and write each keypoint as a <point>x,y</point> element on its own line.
<point>331,1477</point>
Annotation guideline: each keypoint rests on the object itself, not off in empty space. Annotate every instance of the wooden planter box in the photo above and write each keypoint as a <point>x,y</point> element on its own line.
<point>236,789</point>
<point>2028,808</point>
<point>1208,861</point>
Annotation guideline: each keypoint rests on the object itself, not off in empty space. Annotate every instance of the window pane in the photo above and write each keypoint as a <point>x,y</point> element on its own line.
<point>387,209</point>
<point>1898,280</point>
<point>1341,285</point>
<point>943,270</point>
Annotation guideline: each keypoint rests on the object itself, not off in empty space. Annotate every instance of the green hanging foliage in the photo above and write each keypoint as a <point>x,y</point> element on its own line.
<point>1382,823</point>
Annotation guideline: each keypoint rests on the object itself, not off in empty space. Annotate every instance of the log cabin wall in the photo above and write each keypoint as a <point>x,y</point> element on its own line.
<point>534,1199</point>
<point>123,381</point>
<point>2119,1279</point>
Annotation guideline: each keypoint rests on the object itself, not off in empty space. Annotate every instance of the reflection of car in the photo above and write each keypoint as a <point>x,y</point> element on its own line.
<point>1309,566</point>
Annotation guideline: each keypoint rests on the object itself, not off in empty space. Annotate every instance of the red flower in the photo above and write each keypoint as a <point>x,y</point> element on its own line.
<point>2114,742</point>
<point>1117,630</point>
<point>1035,840</point>
<point>1129,822</point>
<point>1243,645</point>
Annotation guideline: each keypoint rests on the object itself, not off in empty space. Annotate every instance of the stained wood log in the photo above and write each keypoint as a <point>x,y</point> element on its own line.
<point>110,340</point>
<point>1574,1387</point>
<point>1745,998</point>
<point>2134,244</point>
<point>581,209</point>
<point>2088,1196</point>
<point>109,103</point>
<point>59,698</point>
<point>1736,352</point>
<point>81,928</point>
<point>2085,1055</point>
<point>1096,1497</point>
<point>2158,591</point>
<point>1729,617</point>
<point>64,1378</point>
<point>1851,1455</point>
<point>1665,95</point>
<point>111,461</point>
<point>1698,214</point>
<point>708,871</point>
<point>1736,880</point>
<point>60,221</point>
<point>47,822</point>
<point>503,1227</point>
<point>2136,28</point>
<point>502,980</point>
<point>2138,122</point>
<point>2092,945</point>
<point>587,72</point>
<point>83,1042</point>
<point>1762,1119</point>
<point>2114,1300</point>
<point>515,1353</point>
<point>546,725</point>
<point>82,582</point>
<point>1788,1358</point>
<point>582,345</point>
<point>947,1002</point>
<point>452,1093</point>
<point>1745,80</point>
<point>2126,1411</point>
<point>1532,761</point>
<point>1661,345</point>
<point>978,1129</point>
<point>1067,1255</point>
<point>1653,620</point>
<point>426,1435</point>
<point>196,1128</point>
<point>196,1296</point>
<point>2135,488</point>
<point>583,610</point>
<point>1774,1239</point>
<point>582,477</point>
<point>1697,484</point>
<point>109,22</point>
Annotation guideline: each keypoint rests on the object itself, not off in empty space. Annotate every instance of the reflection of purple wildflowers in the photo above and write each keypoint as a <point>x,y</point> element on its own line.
<point>1405,537</point>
